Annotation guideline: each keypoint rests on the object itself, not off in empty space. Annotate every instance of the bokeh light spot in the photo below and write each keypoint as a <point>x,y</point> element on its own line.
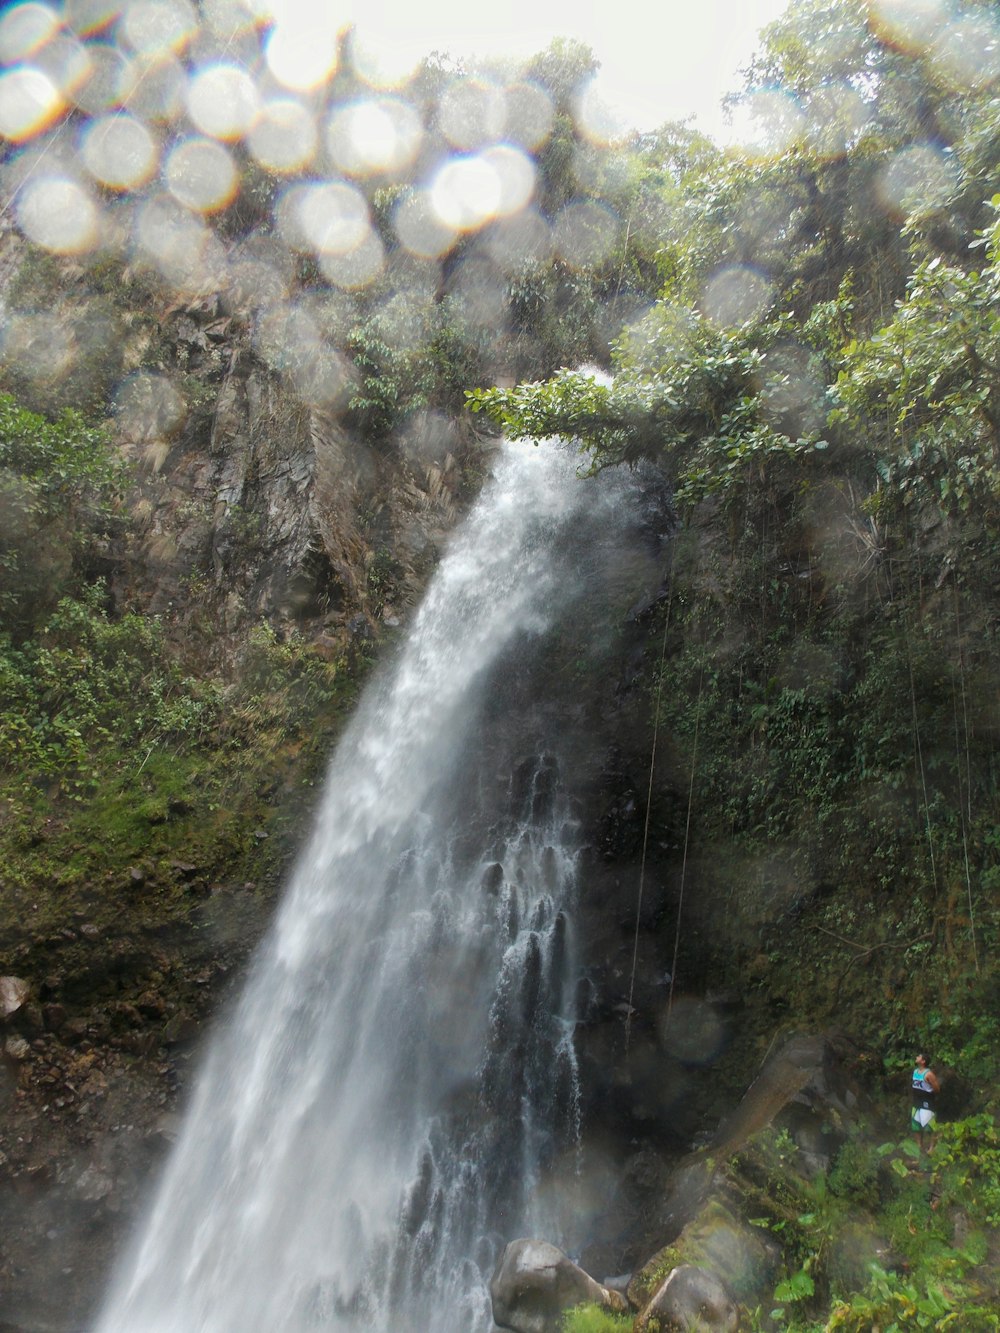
<point>793,396</point>
<point>156,27</point>
<point>530,115</point>
<point>594,115</point>
<point>180,246</point>
<point>379,57</point>
<point>919,177</point>
<point>228,19</point>
<point>25,28</point>
<point>201,174</point>
<point>284,137</point>
<point>29,101</point>
<point>374,135</point>
<point>119,151</point>
<point>967,52</point>
<point>404,319</point>
<point>691,1031</point>
<point>301,51</point>
<point>58,214</point>
<point>100,89</point>
<point>148,406</point>
<point>472,113</point>
<point>222,101</point>
<point>736,295</point>
<point>289,340</point>
<point>258,274</point>
<point>585,232</point>
<point>466,192</point>
<point>153,87</point>
<point>766,123</point>
<point>911,25</point>
<point>66,63</point>
<point>420,228</point>
<point>519,242</point>
<point>38,345</point>
<point>835,116</point>
<point>355,268</point>
<point>478,294</point>
<point>332,217</point>
<point>516,174</point>
<point>86,17</point>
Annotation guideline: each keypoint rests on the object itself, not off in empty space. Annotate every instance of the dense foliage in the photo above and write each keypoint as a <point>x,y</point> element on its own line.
<point>818,379</point>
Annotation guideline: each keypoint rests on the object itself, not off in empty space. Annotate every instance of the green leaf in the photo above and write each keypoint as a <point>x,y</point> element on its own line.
<point>795,1288</point>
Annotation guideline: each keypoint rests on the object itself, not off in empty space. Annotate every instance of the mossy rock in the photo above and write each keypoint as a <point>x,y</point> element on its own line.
<point>856,1246</point>
<point>716,1240</point>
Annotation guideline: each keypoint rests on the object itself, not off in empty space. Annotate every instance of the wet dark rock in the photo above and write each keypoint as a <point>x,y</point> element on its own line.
<point>691,1298</point>
<point>180,1029</point>
<point>535,1283</point>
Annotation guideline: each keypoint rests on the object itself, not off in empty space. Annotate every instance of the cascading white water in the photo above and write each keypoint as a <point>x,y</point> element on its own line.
<point>374,1120</point>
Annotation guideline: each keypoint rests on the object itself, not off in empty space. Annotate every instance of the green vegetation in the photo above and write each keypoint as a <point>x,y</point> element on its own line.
<point>594,1319</point>
<point>113,751</point>
<point>806,343</point>
<point>826,417</point>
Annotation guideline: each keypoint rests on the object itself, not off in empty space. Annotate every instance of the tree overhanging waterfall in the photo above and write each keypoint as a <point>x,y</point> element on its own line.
<point>377,1117</point>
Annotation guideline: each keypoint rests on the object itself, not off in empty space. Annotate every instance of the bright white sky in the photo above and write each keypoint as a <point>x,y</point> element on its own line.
<point>660,59</point>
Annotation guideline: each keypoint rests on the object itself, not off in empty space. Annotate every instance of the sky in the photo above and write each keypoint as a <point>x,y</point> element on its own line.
<point>660,59</point>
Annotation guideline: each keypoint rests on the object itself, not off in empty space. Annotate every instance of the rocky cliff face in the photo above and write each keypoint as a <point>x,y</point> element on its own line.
<point>248,504</point>
<point>262,506</point>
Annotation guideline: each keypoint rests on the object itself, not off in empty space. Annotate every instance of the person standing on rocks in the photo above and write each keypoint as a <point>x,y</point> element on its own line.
<point>925,1089</point>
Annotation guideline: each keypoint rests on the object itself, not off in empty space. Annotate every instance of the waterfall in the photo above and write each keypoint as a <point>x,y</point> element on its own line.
<point>384,1107</point>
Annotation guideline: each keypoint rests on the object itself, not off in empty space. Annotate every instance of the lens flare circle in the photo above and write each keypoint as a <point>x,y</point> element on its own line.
<point>58,214</point>
<point>29,102</point>
<point>222,101</point>
<point>38,345</point>
<point>332,217</point>
<point>420,229</point>
<point>201,174</point>
<point>355,268</point>
<point>530,115</point>
<point>967,52</point>
<point>910,25</point>
<point>472,113</point>
<point>87,17</point>
<point>156,27</point>
<point>516,174</point>
<point>284,137</point>
<point>767,122</point>
<point>153,87</point>
<point>24,29</point>
<point>119,151</point>
<point>301,55</point>
<point>148,406</point>
<point>584,232</point>
<point>466,192</point>
<point>374,135</point>
<point>736,295</point>
<point>594,114</point>
<point>520,242</point>
<point>919,177</point>
<point>179,244</point>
